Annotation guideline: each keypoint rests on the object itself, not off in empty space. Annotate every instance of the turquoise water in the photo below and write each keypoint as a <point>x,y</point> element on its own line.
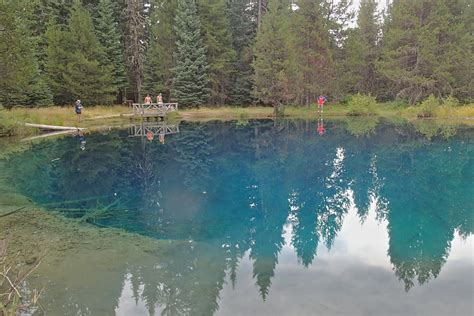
<point>369,218</point>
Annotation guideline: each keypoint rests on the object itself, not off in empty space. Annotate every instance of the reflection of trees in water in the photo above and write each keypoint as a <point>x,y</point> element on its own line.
<point>426,207</point>
<point>256,179</point>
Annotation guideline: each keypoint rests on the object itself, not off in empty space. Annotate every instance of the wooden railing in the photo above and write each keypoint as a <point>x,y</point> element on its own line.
<point>153,109</point>
<point>155,128</point>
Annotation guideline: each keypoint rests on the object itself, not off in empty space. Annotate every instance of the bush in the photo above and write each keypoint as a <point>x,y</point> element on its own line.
<point>361,104</point>
<point>8,125</point>
<point>428,107</point>
<point>396,104</point>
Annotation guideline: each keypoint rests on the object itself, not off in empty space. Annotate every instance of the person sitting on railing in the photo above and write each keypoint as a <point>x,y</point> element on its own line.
<point>159,99</point>
<point>147,99</point>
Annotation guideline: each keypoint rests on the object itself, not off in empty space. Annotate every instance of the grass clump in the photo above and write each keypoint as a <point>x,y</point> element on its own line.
<point>361,104</point>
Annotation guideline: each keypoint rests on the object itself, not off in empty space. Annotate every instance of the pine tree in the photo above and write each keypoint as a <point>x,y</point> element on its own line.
<point>271,55</point>
<point>108,33</point>
<point>215,26</point>
<point>75,58</point>
<point>21,82</point>
<point>136,37</point>
<point>362,51</point>
<point>312,46</point>
<point>191,71</point>
<point>427,49</point>
<point>158,74</point>
<point>243,29</point>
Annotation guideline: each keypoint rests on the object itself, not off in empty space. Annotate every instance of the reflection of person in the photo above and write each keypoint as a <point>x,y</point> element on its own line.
<point>159,99</point>
<point>149,136</point>
<point>147,99</point>
<point>321,130</point>
<point>78,108</point>
<point>321,100</point>
<point>161,138</point>
<point>82,140</point>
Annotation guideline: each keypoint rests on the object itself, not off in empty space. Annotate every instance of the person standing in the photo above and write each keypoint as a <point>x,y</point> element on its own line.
<point>147,99</point>
<point>159,99</point>
<point>321,101</point>
<point>78,108</point>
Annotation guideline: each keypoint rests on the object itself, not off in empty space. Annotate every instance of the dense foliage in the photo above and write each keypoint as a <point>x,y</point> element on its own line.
<point>238,52</point>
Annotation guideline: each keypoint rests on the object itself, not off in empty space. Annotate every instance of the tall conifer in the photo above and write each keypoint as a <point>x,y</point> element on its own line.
<point>108,32</point>
<point>159,63</point>
<point>313,48</point>
<point>243,28</point>
<point>427,49</point>
<point>217,37</point>
<point>75,61</point>
<point>191,70</point>
<point>21,82</point>
<point>363,51</point>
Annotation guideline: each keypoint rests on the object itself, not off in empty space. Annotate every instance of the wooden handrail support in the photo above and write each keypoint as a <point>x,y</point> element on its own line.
<point>153,109</point>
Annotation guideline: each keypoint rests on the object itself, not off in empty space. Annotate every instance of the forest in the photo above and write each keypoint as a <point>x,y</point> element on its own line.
<point>234,52</point>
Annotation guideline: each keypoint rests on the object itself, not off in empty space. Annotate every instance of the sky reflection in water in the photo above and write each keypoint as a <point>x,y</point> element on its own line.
<point>275,218</point>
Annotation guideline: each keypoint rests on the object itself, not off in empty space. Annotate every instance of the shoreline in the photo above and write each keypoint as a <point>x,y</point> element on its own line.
<point>13,121</point>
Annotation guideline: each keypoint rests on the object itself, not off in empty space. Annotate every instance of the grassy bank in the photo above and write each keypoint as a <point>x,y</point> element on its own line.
<point>12,121</point>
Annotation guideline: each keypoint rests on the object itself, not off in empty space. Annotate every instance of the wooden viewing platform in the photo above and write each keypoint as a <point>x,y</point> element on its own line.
<point>155,128</point>
<point>153,109</point>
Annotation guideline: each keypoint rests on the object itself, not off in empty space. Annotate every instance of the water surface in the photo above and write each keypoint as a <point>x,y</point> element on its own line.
<point>269,217</point>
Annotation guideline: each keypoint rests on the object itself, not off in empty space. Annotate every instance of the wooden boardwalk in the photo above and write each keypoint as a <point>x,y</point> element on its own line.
<point>153,109</point>
<point>153,128</point>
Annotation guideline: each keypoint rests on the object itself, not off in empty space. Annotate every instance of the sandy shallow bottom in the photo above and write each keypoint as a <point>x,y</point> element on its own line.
<point>80,266</point>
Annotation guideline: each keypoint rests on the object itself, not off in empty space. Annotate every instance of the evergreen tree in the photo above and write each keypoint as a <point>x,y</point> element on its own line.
<point>136,40</point>
<point>312,46</point>
<point>271,56</point>
<point>191,71</point>
<point>158,74</point>
<point>427,49</point>
<point>215,26</point>
<point>75,59</point>
<point>243,29</point>
<point>362,51</point>
<point>108,33</point>
<point>21,82</point>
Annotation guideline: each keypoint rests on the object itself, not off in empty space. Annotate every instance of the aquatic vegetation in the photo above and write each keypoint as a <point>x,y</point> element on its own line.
<point>173,223</point>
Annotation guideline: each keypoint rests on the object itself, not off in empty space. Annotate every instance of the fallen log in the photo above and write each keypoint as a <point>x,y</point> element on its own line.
<point>49,135</point>
<point>54,127</point>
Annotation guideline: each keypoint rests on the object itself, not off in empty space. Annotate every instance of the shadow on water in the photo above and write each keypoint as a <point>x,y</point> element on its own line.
<point>229,190</point>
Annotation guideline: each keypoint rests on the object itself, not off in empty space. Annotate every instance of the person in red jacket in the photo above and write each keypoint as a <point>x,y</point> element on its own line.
<point>321,100</point>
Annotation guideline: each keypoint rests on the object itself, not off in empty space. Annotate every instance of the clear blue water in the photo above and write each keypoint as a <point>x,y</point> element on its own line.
<point>277,219</point>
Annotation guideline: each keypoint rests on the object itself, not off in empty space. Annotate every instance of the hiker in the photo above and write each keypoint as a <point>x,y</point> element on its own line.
<point>78,108</point>
<point>159,99</point>
<point>321,100</point>
<point>147,99</point>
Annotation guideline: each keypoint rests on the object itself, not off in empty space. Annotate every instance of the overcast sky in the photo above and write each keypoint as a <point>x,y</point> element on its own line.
<point>382,4</point>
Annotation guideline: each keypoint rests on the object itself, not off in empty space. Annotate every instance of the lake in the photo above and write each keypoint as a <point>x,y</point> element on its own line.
<point>262,217</point>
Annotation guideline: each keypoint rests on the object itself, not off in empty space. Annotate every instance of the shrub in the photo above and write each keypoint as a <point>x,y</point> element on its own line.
<point>396,104</point>
<point>451,101</point>
<point>428,107</point>
<point>361,104</point>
